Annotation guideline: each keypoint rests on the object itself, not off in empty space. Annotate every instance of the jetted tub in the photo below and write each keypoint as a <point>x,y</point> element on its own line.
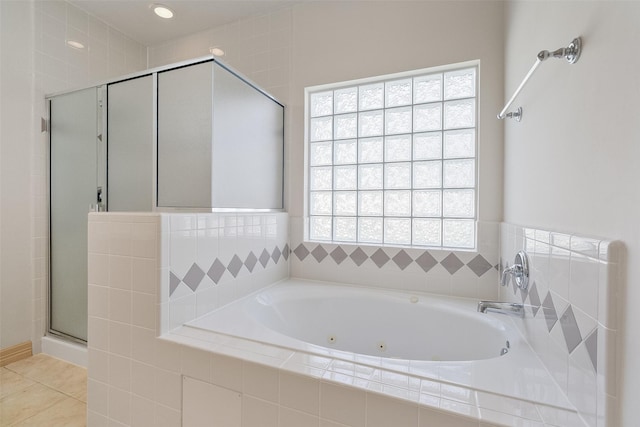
<point>365,321</point>
<point>427,336</point>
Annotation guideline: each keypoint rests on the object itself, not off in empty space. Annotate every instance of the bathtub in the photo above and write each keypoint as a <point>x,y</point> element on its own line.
<point>320,317</point>
<point>428,337</point>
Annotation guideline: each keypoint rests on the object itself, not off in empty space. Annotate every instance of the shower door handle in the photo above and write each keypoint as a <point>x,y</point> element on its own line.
<point>99,206</point>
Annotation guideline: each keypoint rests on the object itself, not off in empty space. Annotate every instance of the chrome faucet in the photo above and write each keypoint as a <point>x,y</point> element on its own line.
<point>519,270</point>
<point>512,309</point>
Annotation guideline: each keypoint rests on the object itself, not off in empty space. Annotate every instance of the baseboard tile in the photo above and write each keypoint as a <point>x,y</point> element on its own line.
<point>15,353</point>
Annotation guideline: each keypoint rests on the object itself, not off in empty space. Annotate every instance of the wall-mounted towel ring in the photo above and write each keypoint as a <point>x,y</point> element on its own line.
<point>571,53</point>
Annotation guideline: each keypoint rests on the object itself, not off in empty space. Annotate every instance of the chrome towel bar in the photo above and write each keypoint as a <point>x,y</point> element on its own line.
<point>571,53</point>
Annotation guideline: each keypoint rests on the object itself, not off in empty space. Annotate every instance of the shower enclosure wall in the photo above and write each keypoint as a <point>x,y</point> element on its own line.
<point>193,135</point>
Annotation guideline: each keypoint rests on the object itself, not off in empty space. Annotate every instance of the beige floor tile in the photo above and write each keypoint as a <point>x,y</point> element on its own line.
<point>36,366</point>
<point>27,402</point>
<point>68,413</point>
<point>57,374</point>
<point>69,379</point>
<point>10,382</point>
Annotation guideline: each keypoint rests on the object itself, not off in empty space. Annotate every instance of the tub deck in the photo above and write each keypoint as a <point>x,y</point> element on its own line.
<point>514,389</point>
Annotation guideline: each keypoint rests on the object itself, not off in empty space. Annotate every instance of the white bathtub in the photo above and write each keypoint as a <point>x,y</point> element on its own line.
<point>425,336</point>
<point>365,321</point>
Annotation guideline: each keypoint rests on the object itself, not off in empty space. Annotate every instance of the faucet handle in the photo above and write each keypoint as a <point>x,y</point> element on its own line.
<point>519,270</point>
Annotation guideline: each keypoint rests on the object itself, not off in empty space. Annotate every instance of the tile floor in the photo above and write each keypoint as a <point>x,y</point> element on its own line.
<point>43,391</point>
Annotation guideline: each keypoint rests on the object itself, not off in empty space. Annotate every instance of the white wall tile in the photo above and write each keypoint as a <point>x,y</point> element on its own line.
<point>583,283</point>
<point>120,272</point>
<point>119,406</point>
<point>430,417</point>
<point>144,240</point>
<point>141,411</point>
<point>382,412</point>
<point>206,404</point>
<point>227,372</point>
<point>120,305</point>
<point>98,365</point>
<point>144,276</point>
<point>120,339</point>
<point>143,380</point>
<point>260,381</point>
<point>293,418</point>
<point>98,301</point>
<point>258,412</point>
<point>197,364</point>
<point>120,372</point>
<point>143,344</point>
<point>167,417</point>
<point>342,404</point>
<point>98,397</point>
<point>299,392</point>
<point>143,310</point>
<point>169,389</point>
<point>168,355</point>
<point>98,333</point>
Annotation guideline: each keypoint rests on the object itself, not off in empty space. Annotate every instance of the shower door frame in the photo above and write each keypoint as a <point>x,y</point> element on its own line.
<point>101,182</point>
<point>102,88</point>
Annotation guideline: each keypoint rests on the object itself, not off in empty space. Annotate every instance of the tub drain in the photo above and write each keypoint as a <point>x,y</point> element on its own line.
<point>381,346</point>
<point>331,339</point>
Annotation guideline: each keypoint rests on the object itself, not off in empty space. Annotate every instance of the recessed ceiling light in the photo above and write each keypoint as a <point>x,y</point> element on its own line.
<point>162,11</point>
<point>216,51</point>
<point>74,44</point>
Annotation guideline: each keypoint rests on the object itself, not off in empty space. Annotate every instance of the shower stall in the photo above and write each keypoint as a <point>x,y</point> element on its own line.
<point>195,135</point>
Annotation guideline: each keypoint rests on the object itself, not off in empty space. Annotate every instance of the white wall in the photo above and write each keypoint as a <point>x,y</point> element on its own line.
<point>571,164</point>
<point>35,60</point>
<point>326,42</point>
<point>16,133</point>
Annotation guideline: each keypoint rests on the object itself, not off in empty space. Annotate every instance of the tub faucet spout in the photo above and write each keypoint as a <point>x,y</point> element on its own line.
<point>512,309</point>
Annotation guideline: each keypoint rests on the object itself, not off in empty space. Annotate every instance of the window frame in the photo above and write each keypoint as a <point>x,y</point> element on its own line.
<point>442,189</point>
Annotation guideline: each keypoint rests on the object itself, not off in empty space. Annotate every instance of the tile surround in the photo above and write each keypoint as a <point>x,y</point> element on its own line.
<point>136,376</point>
<point>213,259</point>
<point>471,274</point>
<point>571,312</point>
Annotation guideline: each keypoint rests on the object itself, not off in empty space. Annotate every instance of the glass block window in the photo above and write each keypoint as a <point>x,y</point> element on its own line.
<point>392,161</point>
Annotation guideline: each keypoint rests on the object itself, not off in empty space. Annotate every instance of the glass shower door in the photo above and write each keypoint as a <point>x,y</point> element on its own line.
<point>75,179</point>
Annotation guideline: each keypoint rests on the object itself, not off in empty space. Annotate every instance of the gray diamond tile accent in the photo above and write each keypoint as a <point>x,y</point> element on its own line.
<point>452,263</point>
<point>358,256</point>
<point>251,261</point>
<point>235,265</point>
<point>264,258</point>
<point>338,255</point>
<point>402,259</point>
<point>301,252</point>
<point>549,310</point>
<point>380,258</point>
<point>319,253</point>
<point>275,255</point>
<point>193,277</point>
<point>286,251</point>
<point>174,281</point>
<point>591,343</point>
<point>479,265</point>
<point>426,261</point>
<point>534,299</point>
<point>216,271</point>
<point>570,329</point>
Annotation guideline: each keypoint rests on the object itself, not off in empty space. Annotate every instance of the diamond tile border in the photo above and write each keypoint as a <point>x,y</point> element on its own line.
<point>546,297</point>
<point>216,270</point>
<point>386,256</point>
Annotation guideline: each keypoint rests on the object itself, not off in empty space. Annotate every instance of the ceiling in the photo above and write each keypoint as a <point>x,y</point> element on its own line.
<point>136,19</point>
